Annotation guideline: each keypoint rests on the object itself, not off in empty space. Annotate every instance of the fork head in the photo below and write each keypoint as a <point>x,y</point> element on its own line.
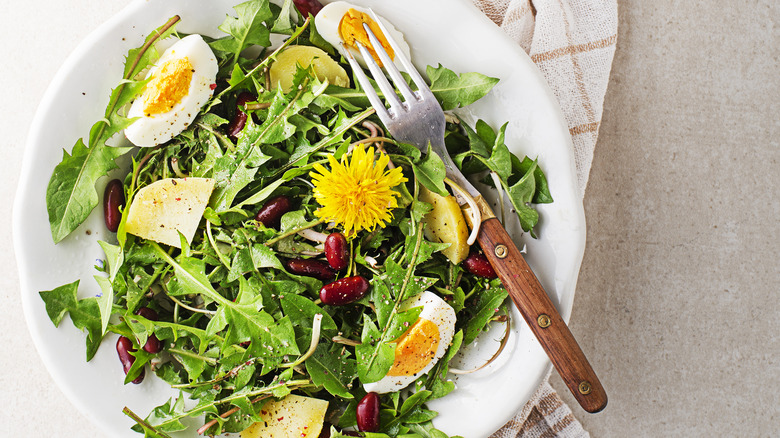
<point>417,119</point>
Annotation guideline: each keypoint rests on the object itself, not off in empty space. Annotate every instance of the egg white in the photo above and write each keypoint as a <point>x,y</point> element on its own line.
<point>327,22</point>
<point>442,315</point>
<point>154,129</point>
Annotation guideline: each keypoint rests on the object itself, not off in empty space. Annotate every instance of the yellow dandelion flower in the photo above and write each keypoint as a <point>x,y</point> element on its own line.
<point>356,194</point>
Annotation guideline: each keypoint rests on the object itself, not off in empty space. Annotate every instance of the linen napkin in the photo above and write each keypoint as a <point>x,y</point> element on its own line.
<point>572,42</point>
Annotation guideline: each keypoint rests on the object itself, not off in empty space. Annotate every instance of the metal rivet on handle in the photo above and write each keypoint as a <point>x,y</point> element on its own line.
<point>500,251</point>
<point>543,321</point>
<point>584,387</point>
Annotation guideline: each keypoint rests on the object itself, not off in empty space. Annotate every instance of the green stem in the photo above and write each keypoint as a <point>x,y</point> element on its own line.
<point>352,261</point>
<point>277,119</point>
<point>416,196</point>
<point>327,140</point>
<point>454,281</point>
<point>293,231</point>
<point>292,384</point>
<point>410,269</point>
<point>259,66</point>
<point>229,374</point>
<point>190,308</point>
<point>374,140</point>
<point>220,137</point>
<point>146,426</point>
<point>468,295</point>
<point>281,116</point>
<point>181,272</point>
<point>191,355</point>
<point>219,254</point>
<point>315,340</point>
<point>396,158</point>
<point>399,298</point>
<point>137,170</point>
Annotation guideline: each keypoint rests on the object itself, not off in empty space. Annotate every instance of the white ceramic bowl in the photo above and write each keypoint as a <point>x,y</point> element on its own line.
<point>453,33</point>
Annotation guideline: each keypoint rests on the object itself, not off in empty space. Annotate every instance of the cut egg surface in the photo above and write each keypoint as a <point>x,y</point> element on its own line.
<point>341,24</point>
<point>180,83</point>
<point>421,346</point>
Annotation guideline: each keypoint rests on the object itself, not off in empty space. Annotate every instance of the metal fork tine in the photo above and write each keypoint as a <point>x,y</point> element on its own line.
<point>381,80</point>
<point>410,69</point>
<point>367,87</point>
<point>390,66</point>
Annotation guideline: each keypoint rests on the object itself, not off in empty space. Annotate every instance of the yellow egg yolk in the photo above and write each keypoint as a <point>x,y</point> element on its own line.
<point>168,86</point>
<point>351,30</point>
<point>415,348</point>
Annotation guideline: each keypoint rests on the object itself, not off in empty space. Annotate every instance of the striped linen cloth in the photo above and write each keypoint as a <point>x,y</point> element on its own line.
<point>572,42</point>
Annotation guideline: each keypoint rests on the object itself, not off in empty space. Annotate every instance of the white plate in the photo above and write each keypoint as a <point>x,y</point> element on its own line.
<point>453,33</point>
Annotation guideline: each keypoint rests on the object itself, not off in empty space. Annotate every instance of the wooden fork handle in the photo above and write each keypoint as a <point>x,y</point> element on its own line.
<point>541,315</point>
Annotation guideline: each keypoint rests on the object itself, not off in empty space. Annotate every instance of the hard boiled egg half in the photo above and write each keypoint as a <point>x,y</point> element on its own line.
<point>341,24</point>
<point>180,83</point>
<point>422,345</point>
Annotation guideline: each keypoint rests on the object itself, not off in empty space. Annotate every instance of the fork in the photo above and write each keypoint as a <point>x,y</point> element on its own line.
<point>419,120</point>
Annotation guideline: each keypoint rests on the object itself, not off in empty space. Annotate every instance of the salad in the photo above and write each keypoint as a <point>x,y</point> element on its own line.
<point>279,260</point>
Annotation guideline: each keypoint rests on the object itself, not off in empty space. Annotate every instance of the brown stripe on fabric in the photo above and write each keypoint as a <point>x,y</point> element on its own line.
<point>565,422</point>
<point>544,428</point>
<point>549,432</point>
<point>549,403</point>
<point>515,14</point>
<point>534,418</point>
<point>513,424</point>
<point>489,9</point>
<point>582,129</point>
<point>578,75</point>
<point>571,50</point>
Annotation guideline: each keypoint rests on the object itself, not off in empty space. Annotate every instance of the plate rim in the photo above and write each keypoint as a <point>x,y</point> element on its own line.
<point>23,188</point>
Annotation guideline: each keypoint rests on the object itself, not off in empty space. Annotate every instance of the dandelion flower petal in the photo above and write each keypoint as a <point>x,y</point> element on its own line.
<point>356,193</point>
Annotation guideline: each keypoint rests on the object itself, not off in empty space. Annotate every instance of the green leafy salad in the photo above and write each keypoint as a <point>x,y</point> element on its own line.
<point>280,260</point>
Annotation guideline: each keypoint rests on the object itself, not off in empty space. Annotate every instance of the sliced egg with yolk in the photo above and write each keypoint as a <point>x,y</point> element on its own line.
<point>421,346</point>
<point>178,86</point>
<point>341,24</point>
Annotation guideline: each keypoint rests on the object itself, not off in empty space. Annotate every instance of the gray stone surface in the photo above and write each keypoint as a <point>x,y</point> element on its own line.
<point>677,303</point>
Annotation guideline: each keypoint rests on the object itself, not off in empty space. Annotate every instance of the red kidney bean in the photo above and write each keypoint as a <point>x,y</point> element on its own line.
<point>478,264</point>
<point>153,345</point>
<point>337,251</point>
<point>344,291</point>
<point>368,413</point>
<point>113,199</point>
<point>124,346</point>
<point>271,212</point>
<point>310,268</point>
<point>305,7</point>
<point>239,120</point>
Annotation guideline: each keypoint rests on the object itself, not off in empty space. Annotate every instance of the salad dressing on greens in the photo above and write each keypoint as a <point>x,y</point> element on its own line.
<point>249,314</point>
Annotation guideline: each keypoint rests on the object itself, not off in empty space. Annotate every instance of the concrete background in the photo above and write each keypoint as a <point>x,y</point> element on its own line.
<point>677,304</point>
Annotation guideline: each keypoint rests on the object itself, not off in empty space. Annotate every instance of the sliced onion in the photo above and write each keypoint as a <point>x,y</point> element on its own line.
<point>476,215</point>
<point>504,341</point>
